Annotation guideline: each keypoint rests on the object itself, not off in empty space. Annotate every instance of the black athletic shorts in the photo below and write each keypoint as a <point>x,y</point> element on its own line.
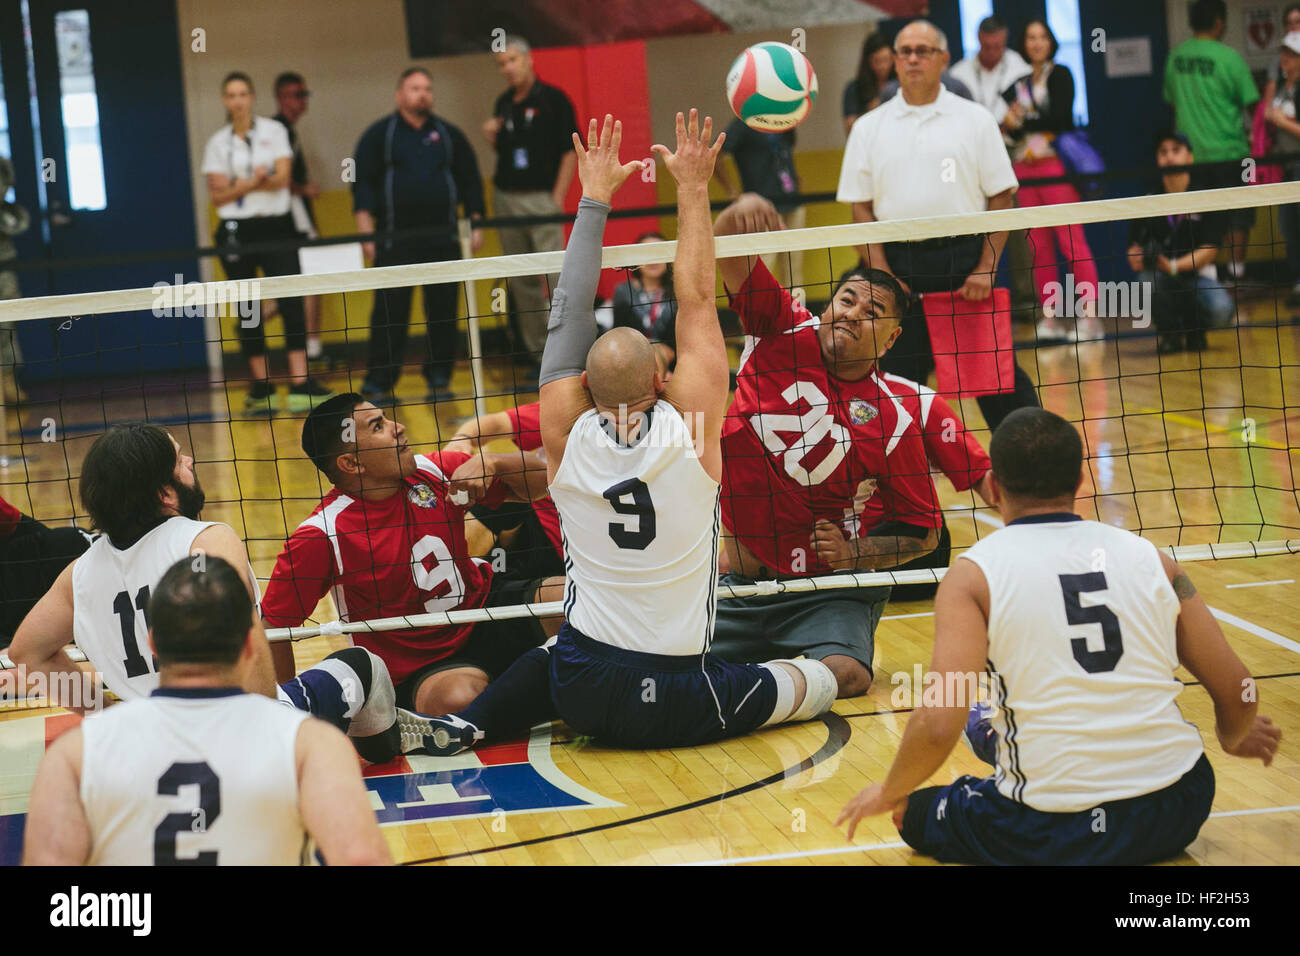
<point>492,646</point>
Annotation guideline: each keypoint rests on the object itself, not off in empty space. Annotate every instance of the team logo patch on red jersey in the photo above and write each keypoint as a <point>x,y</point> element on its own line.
<point>422,496</point>
<point>861,411</point>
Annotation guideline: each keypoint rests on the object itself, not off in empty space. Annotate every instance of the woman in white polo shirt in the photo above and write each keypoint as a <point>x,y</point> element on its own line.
<point>247,164</point>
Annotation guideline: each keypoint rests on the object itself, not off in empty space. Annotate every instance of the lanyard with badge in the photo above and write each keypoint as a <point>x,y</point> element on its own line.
<point>519,154</point>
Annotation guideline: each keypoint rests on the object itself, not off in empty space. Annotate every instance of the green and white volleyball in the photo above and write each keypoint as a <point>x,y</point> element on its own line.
<point>772,87</point>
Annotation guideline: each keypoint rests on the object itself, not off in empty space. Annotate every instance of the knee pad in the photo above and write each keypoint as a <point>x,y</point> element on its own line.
<point>819,694</point>
<point>374,707</point>
<point>822,689</point>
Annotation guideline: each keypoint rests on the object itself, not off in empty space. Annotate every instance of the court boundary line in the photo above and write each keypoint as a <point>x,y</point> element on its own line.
<point>838,733</point>
<point>1244,625</point>
<point>872,847</point>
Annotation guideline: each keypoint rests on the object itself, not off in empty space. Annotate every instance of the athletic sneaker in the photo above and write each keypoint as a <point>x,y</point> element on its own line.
<point>437,736</point>
<point>261,399</point>
<point>1089,330</point>
<point>979,734</point>
<point>306,395</point>
<point>1050,331</point>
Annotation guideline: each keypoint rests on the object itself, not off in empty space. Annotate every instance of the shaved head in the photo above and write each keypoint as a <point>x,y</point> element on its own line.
<point>621,368</point>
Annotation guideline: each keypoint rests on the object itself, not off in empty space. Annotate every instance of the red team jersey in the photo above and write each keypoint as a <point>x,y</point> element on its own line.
<point>948,446</point>
<point>799,444</point>
<point>525,420</point>
<point>404,555</point>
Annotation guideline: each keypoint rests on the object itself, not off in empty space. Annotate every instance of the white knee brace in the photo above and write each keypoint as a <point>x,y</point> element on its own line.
<point>820,693</point>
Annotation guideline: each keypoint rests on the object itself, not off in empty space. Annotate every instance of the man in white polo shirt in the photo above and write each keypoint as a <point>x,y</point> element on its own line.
<point>928,152</point>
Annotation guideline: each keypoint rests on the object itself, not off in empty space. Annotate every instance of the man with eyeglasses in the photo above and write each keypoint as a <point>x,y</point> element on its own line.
<point>291,96</point>
<point>928,152</point>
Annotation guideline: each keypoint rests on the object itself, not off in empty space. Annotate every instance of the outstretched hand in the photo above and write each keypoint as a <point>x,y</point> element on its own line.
<point>692,163</point>
<point>598,167</point>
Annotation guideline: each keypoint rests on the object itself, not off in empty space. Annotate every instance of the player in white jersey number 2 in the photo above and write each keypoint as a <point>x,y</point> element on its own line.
<point>1080,627</point>
<point>201,772</point>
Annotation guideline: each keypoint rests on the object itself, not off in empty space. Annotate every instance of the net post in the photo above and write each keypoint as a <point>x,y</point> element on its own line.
<point>466,231</point>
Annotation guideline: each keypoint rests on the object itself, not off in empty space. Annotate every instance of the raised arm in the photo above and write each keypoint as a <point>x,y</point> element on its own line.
<point>698,388</point>
<point>571,331</point>
<point>750,213</point>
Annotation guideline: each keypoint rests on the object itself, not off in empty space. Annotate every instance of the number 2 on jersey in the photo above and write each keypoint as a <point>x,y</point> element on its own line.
<point>135,664</point>
<point>1094,662</point>
<point>197,820</point>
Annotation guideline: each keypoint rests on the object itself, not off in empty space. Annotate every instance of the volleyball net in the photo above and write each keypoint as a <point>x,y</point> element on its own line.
<point>1189,405</point>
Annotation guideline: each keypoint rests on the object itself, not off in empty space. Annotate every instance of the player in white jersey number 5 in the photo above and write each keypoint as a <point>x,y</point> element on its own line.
<point>1080,626</point>
<point>201,773</point>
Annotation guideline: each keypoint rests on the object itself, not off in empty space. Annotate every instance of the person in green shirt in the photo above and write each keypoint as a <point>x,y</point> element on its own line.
<point>1210,88</point>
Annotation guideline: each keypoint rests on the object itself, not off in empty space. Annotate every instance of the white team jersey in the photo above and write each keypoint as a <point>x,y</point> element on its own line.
<point>640,527</point>
<point>193,775</point>
<point>110,590</point>
<point>1082,652</point>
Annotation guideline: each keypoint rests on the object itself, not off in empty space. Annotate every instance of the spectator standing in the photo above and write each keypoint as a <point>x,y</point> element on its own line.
<point>291,96</point>
<point>414,169</point>
<point>992,69</point>
<point>1209,87</point>
<point>875,69</point>
<point>1176,254</point>
<point>1290,24</point>
<point>989,74</point>
<point>1039,108</point>
<point>765,162</point>
<point>247,163</point>
<point>531,130</point>
<point>646,302</point>
<point>1282,115</point>
<point>893,169</point>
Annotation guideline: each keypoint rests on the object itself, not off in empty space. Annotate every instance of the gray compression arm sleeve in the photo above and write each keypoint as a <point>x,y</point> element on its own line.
<point>571,331</point>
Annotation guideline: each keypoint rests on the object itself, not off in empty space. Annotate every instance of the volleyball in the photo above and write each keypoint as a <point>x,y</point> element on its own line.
<point>771,87</point>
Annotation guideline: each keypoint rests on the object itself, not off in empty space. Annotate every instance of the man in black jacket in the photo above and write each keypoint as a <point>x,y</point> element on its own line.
<point>413,170</point>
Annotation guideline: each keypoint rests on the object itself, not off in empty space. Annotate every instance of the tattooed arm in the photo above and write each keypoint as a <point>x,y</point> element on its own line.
<point>1204,651</point>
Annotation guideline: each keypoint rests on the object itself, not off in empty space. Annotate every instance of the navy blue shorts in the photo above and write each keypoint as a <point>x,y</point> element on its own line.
<point>630,699</point>
<point>969,821</point>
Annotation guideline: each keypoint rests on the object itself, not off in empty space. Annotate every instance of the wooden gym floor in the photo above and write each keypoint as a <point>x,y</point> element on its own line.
<point>1184,449</point>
